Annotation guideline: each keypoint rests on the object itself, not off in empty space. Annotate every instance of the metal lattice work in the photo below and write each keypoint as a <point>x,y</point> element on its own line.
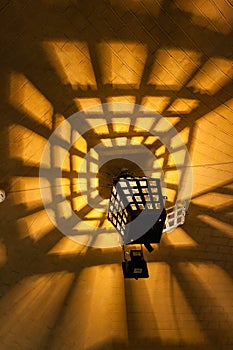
<point>129,197</point>
<point>175,216</point>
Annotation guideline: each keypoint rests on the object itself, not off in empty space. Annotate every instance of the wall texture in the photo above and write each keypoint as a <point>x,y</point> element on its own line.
<point>59,57</point>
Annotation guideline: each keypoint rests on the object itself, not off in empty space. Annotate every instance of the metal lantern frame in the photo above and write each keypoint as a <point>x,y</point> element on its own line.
<point>130,196</point>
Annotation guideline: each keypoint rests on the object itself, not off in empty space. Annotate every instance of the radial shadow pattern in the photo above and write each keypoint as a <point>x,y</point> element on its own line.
<point>59,58</point>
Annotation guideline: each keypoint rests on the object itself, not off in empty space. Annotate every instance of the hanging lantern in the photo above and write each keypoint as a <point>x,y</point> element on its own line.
<point>134,198</point>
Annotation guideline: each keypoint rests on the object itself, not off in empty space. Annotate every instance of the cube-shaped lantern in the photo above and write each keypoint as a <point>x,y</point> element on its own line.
<point>134,196</point>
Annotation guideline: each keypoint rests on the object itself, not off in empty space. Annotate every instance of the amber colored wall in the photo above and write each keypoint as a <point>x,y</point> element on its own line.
<point>58,57</point>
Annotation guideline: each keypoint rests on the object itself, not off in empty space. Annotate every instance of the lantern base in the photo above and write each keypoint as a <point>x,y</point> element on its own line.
<point>136,267</point>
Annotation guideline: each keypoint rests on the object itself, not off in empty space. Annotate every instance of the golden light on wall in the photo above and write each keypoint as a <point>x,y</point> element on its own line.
<point>27,99</point>
<point>94,303</point>
<point>72,62</point>
<point>183,106</point>
<point>179,238</point>
<point>118,63</point>
<point>215,73</point>
<point>123,98</point>
<point>156,103</point>
<point>172,68</point>
<point>176,61</point>
<point>124,133</point>
<point>215,15</point>
<point>45,294</point>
